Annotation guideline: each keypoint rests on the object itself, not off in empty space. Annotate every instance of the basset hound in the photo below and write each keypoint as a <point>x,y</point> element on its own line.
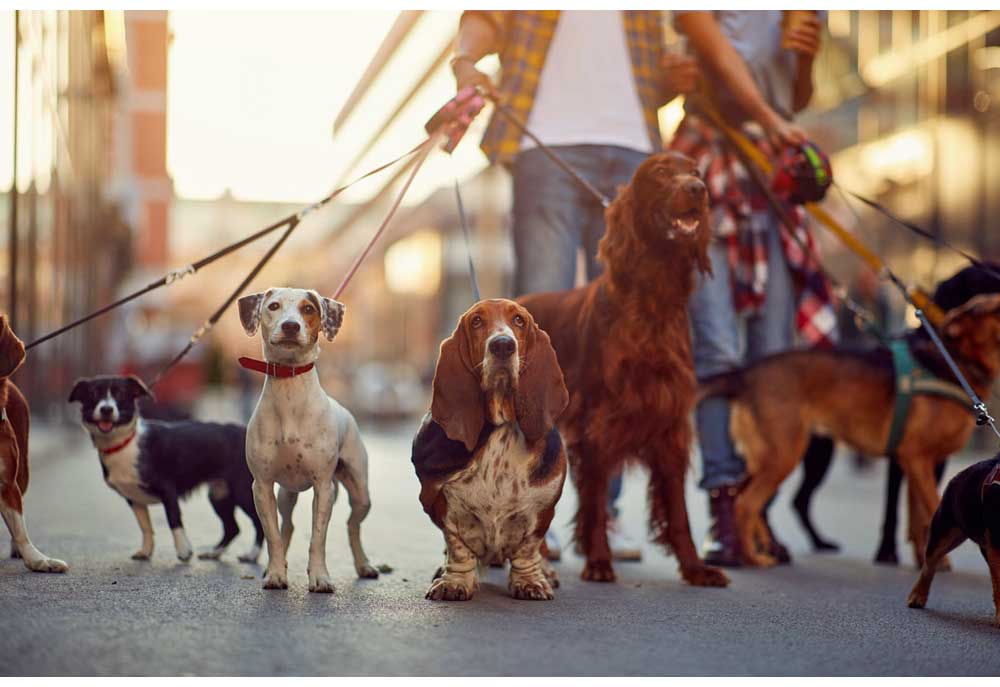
<point>490,461</point>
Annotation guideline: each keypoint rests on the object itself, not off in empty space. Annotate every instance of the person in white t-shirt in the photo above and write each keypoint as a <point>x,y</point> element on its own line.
<point>588,84</point>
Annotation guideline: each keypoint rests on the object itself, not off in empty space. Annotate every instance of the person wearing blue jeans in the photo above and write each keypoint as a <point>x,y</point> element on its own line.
<point>588,85</point>
<point>761,68</point>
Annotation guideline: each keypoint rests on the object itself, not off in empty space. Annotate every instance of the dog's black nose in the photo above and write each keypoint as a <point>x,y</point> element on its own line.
<point>107,411</point>
<point>290,327</point>
<point>503,347</point>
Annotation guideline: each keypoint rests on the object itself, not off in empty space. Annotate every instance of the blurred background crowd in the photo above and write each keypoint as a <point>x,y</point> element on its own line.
<point>135,142</point>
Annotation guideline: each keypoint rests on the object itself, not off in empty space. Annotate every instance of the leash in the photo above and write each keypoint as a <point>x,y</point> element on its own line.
<point>424,148</point>
<point>757,163</point>
<point>576,176</point>
<point>468,242</point>
<point>192,268</point>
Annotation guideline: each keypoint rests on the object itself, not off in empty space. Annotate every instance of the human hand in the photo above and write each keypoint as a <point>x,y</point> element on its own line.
<point>804,38</point>
<point>467,76</point>
<point>784,133</point>
<point>679,74</point>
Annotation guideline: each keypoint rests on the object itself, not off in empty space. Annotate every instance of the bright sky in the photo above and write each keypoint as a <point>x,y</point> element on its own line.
<point>252,97</point>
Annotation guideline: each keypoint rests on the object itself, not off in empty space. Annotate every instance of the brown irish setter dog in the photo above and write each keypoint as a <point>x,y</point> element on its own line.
<point>624,345</point>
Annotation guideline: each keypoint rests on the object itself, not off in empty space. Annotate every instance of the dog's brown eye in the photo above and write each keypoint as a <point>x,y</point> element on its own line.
<point>273,306</point>
<point>518,320</point>
<point>477,321</point>
<point>308,310</point>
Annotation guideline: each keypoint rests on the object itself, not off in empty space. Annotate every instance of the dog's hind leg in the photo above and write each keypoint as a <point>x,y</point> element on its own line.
<point>253,554</point>
<point>923,503</point>
<point>286,505</point>
<point>668,518</point>
<point>887,546</point>
<point>168,495</point>
<point>944,536</point>
<point>225,507</point>
<point>11,510</point>
<point>360,502</point>
<point>815,465</point>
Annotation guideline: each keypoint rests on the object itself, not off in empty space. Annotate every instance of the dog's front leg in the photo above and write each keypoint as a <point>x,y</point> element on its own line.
<point>527,573</point>
<point>459,581</point>
<point>276,575</point>
<point>142,517</point>
<point>319,576</point>
<point>11,510</point>
<point>170,503</point>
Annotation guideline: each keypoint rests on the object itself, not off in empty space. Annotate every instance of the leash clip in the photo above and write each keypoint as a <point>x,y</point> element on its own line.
<point>178,274</point>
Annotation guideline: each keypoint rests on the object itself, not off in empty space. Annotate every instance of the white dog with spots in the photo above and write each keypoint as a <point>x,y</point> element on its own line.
<point>299,437</point>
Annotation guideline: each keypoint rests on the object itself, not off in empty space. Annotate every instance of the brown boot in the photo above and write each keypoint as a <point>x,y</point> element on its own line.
<point>722,544</point>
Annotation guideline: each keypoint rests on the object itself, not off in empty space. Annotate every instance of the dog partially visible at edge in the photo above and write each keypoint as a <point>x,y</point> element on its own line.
<point>298,436</point>
<point>14,427</point>
<point>969,509</point>
<point>849,395</point>
<point>154,461</point>
<point>624,346</point>
<point>490,461</point>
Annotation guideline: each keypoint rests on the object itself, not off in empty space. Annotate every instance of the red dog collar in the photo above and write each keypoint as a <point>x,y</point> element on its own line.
<point>274,369</point>
<point>118,447</point>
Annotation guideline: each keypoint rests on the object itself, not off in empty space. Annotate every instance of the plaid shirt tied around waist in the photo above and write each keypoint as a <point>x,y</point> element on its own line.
<point>735,199</point>
<point>523,38</point>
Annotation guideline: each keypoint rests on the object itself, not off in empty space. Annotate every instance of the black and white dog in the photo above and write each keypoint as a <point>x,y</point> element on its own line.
<point>150,461</point>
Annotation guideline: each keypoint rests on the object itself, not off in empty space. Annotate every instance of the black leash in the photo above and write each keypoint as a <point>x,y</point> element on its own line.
<point>468,242</point>
<point>175,275</point>
<point>586,185</point>
<point>920,231</point>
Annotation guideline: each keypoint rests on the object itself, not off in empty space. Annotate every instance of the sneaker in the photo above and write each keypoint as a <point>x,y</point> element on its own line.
<point>623,547</point>
<point>553,545</point>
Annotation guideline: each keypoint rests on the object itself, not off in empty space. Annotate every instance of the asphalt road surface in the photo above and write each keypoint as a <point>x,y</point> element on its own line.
<point>824,615</point>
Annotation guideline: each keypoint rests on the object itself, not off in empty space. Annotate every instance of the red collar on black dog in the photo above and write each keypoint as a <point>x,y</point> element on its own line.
<point>274,369</point>
<point>118,447</point>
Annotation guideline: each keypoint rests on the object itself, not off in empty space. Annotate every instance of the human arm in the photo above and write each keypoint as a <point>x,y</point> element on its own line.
<point>479,34</point>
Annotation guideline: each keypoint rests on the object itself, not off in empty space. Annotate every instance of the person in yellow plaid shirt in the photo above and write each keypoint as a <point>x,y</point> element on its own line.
<point>588,84</point>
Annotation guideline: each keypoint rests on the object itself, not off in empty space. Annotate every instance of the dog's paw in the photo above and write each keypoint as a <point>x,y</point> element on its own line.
<point>47,565</point>
<point>759,560</point>
<point>320,584</point>
<point>142,555</point>
<point>212,554</point>
<point>250,556</point>
<point>274,579</point>
<point>450,589</point>
<point>886,557</point>
<point>705,576</point>
<point>528,589</point>
<point>917,599</point>
<point>367,572</point>
<point>184,555</point>
<point>550,573</point>
<point>598,571</point>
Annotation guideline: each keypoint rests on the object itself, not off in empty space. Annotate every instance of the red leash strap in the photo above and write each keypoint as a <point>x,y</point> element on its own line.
<point>275,370</point>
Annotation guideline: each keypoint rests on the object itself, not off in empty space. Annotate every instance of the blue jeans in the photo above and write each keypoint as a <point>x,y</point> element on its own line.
<point>719,347</point>
<point>554,217</point>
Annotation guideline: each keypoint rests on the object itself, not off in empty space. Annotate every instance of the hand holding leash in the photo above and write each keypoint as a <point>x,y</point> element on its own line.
<point>456,115</point>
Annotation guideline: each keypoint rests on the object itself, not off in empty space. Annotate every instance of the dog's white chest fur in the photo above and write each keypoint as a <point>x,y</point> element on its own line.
<point>492,505</point>
<point>123,474</point>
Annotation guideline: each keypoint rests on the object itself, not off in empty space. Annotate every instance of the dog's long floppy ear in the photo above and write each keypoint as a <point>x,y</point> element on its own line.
<point>541,392</point>
<point>138,388</point>
<point>250,311</point>
<point>332,313</point>
<point>11,349</point>
<point>457,403</point>
<point>79,392</point>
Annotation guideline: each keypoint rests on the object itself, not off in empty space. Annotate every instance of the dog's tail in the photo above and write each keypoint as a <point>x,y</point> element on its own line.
<point>723,385</point>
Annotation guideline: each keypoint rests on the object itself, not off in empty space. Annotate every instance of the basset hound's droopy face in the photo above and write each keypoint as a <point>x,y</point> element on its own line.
<point>497,366</point>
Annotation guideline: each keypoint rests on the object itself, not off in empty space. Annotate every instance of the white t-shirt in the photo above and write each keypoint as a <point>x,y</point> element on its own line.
<point>586,92</point>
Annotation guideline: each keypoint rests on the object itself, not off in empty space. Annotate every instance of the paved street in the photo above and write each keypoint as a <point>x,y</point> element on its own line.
<point>112,616</point>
